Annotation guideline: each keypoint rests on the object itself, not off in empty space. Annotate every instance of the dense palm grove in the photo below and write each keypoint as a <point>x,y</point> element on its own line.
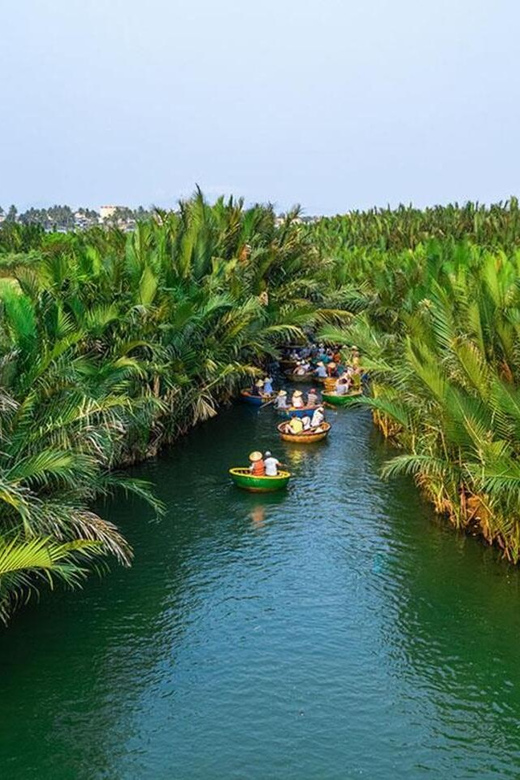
<point>435,298</point>
<point>114,344</point>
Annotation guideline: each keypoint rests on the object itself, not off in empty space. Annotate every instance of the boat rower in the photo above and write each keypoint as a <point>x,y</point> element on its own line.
<point>317,417</point>
<point>271,465</point>
<point>268,386</point>
<point>281,400</point>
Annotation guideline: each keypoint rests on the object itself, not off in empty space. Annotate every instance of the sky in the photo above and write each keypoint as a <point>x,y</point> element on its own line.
<point>332,104</point>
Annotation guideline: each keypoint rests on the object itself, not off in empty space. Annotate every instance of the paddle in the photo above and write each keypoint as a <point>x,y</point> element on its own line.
<point>267,403</point>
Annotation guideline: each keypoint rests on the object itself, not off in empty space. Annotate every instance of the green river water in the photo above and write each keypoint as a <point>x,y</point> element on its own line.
<point>336,631</point>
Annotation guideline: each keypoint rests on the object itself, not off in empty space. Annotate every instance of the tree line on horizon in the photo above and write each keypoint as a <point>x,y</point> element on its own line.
<point>66,218</point>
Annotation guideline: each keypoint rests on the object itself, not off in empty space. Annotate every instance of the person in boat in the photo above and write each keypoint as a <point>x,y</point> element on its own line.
<point>295,425</point>
<point>324,357</point>
<point>342,386</point>
<point>356,379</point>
<point>306,422</point>
<point>257,467</point>
<point>312,397</point>
<point>297,399</point>
<point>268,386</point>
<point>321,371</point>
<point>355,356</point>
<point>281,400</point>
<point>300,369</point>
<point>271,465</point>
<point>318,417</point>
<point>331,369</point>
<point>258,388</point>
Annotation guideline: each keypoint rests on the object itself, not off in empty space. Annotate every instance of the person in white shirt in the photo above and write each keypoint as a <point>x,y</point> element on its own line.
<point>281,400</point>
<point>342,386</point>
<point>297,399</point>
<point>271,465</point>
<point>317,417</point>
<point>306,422</point>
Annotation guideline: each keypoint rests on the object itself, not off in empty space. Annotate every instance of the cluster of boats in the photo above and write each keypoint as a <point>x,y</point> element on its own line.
<point>313,430</point>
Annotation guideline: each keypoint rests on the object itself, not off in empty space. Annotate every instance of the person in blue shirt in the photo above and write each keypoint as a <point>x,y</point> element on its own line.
<point>321,371</point>
<point>268,386</point>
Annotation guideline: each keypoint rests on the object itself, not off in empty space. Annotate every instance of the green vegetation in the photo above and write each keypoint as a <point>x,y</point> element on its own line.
<point>438,322</point>
<point>113,344</point>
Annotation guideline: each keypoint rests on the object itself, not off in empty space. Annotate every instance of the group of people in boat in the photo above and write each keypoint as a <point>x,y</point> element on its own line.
<point>312,360</point>
<point>310,356</point>
<point>298,400</point>
<point>328,363</point>
<point>264,465</point>
<point>309,423</point>
<point>262,387</point>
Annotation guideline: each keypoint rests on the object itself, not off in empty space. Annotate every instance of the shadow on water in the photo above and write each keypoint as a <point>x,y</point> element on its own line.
<point>334,630</point>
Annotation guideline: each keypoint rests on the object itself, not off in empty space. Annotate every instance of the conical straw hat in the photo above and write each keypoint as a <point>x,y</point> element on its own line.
<point>255,456</point>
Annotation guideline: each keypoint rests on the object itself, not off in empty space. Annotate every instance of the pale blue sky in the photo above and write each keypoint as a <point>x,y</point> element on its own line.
<point>335,104</point>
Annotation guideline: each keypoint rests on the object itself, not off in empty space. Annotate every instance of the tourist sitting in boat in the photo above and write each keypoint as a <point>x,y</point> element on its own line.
<point>295,425</point>
<point>302,368</point>
<point>342,386</point>
<point>268,386</point>
<point>258,388</point>
<point>356,379</point>
<point>271,465</point>
<point>306,422</point>
<point>312,397</point>
<point>297,399</point>
<point>281,400</point>
<point>331,369</point>
<point>321,371</point>
<point>257,467</point>
<point>317,417</point>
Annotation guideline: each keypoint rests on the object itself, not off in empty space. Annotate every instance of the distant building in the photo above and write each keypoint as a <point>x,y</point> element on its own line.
<point>105,212</point>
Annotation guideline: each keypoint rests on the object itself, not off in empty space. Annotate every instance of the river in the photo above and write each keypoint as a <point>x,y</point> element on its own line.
<point>337,631</point>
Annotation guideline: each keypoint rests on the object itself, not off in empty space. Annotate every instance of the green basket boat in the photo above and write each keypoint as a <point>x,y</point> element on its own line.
<point>342,400</point>
<point>243,478</point>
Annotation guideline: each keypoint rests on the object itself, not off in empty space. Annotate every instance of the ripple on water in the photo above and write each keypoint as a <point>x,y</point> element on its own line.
<point>328,632</point>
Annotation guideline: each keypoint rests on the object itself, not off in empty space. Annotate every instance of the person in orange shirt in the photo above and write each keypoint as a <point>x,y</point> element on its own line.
<point>257,467</point>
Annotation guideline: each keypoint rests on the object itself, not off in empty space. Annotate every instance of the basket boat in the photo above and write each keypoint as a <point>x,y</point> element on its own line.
<point>243,478</point>
<point>342,400</point>
<point>300,411</point>
<point>254,400</point>
<point>306,437</point>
